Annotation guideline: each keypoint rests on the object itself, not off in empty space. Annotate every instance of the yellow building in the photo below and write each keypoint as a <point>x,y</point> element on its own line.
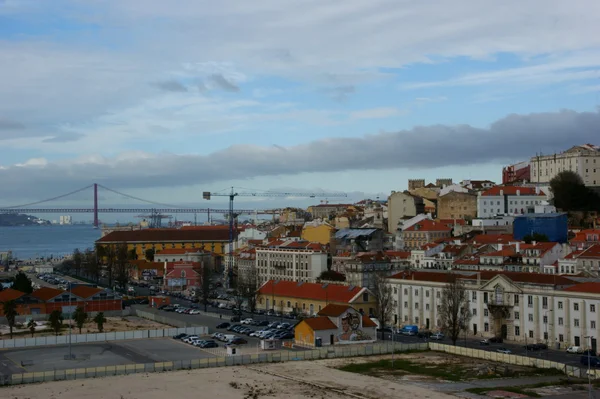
<point>311,298</point>
<point>207,238</point>
<point>315,232</point>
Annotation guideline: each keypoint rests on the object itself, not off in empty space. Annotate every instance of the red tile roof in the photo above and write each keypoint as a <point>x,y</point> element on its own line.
<point>324,292</point>
<point>592,252</point>
<point>46,293</point>
<point>574,254</point>
<point>367,322</point>
<point>320,323</point>
<point>333,310</point>
<point>85,291</point>
<point>511,190</point>
<point>398,254</point>
<point>504,252</point>
<point>492,239</point>
<point>591,287</point>
<point>454,249</point>
<point>452,222</point>
<point>166,235</point>
<point>485,275</point>
<point>428,225</point>
<point>9,294</point>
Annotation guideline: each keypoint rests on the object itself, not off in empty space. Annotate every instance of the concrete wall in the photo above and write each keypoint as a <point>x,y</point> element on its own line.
<point>44,317</point>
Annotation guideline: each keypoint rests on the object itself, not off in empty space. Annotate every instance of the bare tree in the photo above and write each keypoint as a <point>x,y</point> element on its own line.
<point>122,270</point>
<point>454,308</point>
<point>110,258</point>
<point>382,291</point>
<point>92,264</point>
<point>205,285</point>
<point>248,287</point>
<point>77,261</point>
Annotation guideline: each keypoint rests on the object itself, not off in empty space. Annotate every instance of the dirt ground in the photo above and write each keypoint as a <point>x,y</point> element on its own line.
<point>290,380</point>
<point>127,323</point>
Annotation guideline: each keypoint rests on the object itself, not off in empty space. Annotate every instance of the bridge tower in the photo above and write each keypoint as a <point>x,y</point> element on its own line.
<point>96,205</point>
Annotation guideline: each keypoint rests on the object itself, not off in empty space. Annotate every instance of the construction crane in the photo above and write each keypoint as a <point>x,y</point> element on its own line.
<point>155,218</point>
<point>232,194</point>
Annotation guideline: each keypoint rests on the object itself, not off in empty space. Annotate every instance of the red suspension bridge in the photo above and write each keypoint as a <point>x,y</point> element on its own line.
<point>157,207</point>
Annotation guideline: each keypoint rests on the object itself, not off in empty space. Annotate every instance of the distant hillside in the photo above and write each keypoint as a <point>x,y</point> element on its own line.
<point>20,219</point>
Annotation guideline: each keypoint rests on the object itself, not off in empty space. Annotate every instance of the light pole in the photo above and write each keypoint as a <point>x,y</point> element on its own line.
<point>588,370</point>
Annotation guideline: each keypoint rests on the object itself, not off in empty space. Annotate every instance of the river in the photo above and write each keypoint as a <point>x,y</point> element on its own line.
<point>29,242</point>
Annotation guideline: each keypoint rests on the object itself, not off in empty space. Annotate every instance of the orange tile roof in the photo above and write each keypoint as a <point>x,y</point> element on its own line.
<point>504,252</point>
<point>166,235</point>
<point>492,239</point>
<point>398,254</point>
<point>582,236</point>
<point>511,190</point>
<point>591,287</point>
<point>85,291</point>
<point>574,254</point>
<point>451,222</point>
<point>333,310</point>
<point>367,322</point>
<point>454,249</point>
<point>320,323</point>
<point>428,225</point>
<point>324,292</point>
<point>592,252</point>
<point>9,294</point>
<point>46,293</point>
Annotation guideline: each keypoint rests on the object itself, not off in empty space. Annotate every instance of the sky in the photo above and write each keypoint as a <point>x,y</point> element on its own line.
<point>164,100</point>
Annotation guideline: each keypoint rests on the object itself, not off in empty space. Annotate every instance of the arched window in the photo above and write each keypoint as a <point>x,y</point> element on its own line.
<point>183,274</point>
<point>499,293</point>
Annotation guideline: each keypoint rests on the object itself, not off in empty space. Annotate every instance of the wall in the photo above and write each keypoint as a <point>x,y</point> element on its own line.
<point>320,234</point>
<point>455,205</point>
<point>400,205</point>
<point>554,227</point>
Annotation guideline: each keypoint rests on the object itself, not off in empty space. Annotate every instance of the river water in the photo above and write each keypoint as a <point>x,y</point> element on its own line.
<point>29,242</point>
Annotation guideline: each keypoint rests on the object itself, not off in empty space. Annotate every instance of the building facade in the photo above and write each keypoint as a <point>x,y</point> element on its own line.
<point>582,159</point>
<point>298,261</point>
<point>508,200</point>
<point>457,205</point>
<point>424,232</point>
<point>519,307</point>
<point>517,173</point>
<point>401,205</point>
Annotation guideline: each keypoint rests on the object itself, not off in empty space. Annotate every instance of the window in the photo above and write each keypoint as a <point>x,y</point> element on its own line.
<point>530,333</point>
<point>517,331</point>
<point>474,312</point>
<point>516,300</point>
<point>485,312</point>
<point>593,324</point>
<point>546,335</point>
<point>474,295</point>
<point>405,291</point>
<point>485,297</point>
<point>561,338</point>
<point>395,290</point>
<point>545,302</point>
<point>517,316</point>
<point>405,305</point>
<point>560,305</point>
<point>416,305</point>
<point>405,318</point>
<point>427,294</point>
<point>530,301</point>
<point>486,327</point>
<point>437,295</point>
<point>576,307</point>
<point>416,292</point>
<point>545,320</point>
<point>366,297</point>
<point>530,316</point>
<point>289,304</point>
<point>427,306</point>
<point>576,322</point>
<point>560,321</point>
<point>416,320</point>
<point>593,308</point>
<point>395,304</point>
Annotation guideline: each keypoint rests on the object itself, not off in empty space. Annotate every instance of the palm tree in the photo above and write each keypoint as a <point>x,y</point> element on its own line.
<point>100,320</point>
<point>80,317</point>
<point>10,312</point>
<point>31,325</point>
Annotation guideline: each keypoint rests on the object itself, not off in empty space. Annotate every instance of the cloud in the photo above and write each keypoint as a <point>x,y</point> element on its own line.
<point>7,124</point>
<point>223,83</point>
<point>339,93</point>
<point>377,113</point>
<point>171,86</point>
<point>512,138</point>
<point>64,138</point>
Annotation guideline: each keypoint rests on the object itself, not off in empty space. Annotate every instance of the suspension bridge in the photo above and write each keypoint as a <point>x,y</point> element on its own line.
<point>156,209</point>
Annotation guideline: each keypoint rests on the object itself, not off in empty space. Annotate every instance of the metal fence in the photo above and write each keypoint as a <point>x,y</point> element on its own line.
<point>266,357</point>
<point>98,337</point>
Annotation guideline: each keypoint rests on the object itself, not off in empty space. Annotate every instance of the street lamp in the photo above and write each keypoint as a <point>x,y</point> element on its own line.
<point>588,370</point>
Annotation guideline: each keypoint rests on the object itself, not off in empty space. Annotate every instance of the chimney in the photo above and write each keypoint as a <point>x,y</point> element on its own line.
<point>500,247</point>
<point>518,247</point>
<point>537,190</point>
<point>518,192</point>
<point>501,193</point>
<point>478,278</point>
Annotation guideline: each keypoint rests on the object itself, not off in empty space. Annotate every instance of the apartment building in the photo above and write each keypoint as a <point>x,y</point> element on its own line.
<point>520,307</point>
<point>402,204</point>
<point>299,261</point>
<point>581,159</point>
<point>457,205</point>
<point>424,232</point>
<point>508,200</point>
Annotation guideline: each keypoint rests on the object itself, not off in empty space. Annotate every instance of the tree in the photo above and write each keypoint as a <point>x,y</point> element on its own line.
<point>22,283</point>
<point>31,325</point>
<point>382,291</point>
<point>110,255</point>
<point>149,254</point>
<point>77,261</point>
<point>99,319</point>
<point>56,321</point>
<point>122,270</point>
<point>454,308</point>
<point>330,275</point>
<point>92,266</point>
<point>205,285</point>
<point>10,312</point>
<point>248,287</point>
<point>538,237</point>
<point>67,266</point>
<point>571,194</point>
<point>80,317</point>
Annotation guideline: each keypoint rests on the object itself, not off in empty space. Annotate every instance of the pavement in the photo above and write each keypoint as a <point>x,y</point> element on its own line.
<point>112,353</point>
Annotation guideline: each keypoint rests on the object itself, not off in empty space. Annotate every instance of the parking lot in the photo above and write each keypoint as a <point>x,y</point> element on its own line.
<point>98,355</point>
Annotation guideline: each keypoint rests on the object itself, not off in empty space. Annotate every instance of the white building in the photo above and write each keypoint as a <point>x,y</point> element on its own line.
<point>65,219</point>
<point>521,307</point>
<point>424,257</point>
<point>508,200</point>
<point>582,159</point>
<point>181,255</point>
<point>300,261</point>
<point>495,221</point>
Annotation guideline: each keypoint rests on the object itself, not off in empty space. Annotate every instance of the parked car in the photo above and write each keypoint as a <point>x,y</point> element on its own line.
<point>180,336</point>
<point>238,341</point>
<point>531,347</point>
<point>589,352</point>
<point>484,342</point>
<point>223,325</point>
<point>235,319</point>
<point>542,346</point>
<point>437,336</point>
<point>247,321</point>
<point>496,340</point>
<point>574,349</point>
<point>592,361</point>
<point>504,350</point>
<point>209,344</point>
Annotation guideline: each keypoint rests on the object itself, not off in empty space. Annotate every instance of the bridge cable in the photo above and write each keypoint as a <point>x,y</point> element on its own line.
<point>143,200</point>
<point>49,199</point>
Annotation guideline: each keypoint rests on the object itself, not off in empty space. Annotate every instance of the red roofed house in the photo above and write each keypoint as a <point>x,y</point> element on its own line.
<point>586,238</point>
<point>180,276</point>
<point>290,260</point>
<point>311,298</point>
<point>335,325</point>
<point>508,200</point>
<point>424,232</point>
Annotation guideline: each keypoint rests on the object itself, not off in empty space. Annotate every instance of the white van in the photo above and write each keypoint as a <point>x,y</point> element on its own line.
<point>574,349</point>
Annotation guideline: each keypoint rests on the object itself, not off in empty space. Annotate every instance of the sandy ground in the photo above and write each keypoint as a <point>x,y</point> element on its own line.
<point>127,323</point>
<point>291,380</point>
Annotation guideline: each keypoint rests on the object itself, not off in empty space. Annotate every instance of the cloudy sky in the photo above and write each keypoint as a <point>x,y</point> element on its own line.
<point>166,99</point>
